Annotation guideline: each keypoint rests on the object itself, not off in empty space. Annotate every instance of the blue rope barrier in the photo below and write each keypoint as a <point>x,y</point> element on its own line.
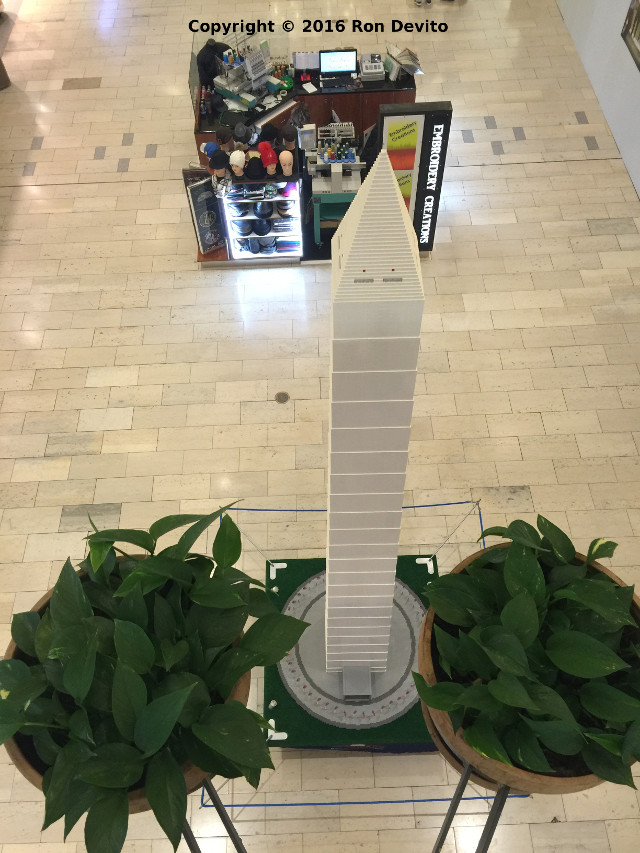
<point>347,802</point>
<point>412,506</point>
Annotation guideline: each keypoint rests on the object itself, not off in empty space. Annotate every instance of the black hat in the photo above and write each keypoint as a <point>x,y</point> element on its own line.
<point>242,227</point>
<point>268,132</point>
<point>284,208</point>
<point>236,209</point>
<point>219,160</point>
<point>242,133</point>
<point>255,170</point>
<point>254,245</point>
<point>241,245</point>
<point>263,209</point>
<point>289,133</point>
<point>261,226</point>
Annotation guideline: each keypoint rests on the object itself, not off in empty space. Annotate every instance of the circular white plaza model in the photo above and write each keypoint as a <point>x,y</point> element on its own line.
<point>304,674</point>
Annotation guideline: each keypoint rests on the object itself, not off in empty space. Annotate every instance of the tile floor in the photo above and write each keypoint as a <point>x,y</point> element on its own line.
<point>135,383</point>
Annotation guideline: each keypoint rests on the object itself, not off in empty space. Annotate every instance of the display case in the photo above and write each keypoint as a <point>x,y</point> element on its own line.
<point>263,220</point>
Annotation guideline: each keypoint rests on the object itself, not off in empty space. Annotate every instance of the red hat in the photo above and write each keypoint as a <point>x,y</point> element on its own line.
<point>268,155</point>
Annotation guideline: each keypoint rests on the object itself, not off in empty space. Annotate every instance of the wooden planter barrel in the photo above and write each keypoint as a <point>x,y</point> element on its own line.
<point>454,748</point>
<point>138,802</point>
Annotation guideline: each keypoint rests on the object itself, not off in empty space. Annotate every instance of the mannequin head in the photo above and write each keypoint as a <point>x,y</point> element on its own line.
<point>237,160</point>
<point>286,163</point>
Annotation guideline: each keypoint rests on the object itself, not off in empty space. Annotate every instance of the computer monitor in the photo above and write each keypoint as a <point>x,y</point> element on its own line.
<point>338,61</point>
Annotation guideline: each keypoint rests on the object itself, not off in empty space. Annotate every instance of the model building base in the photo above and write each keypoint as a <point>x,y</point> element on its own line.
<point>305,703</point>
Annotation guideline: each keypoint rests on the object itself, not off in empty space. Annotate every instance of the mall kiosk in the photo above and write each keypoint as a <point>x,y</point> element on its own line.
<point>338,90</point>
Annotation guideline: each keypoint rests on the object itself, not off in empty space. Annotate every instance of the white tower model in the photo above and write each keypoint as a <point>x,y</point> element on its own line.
<point>377,305</point>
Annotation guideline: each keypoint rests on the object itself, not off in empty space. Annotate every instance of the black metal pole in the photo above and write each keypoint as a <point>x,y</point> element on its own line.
<point>453,808</point>
<point>224,817</point>
<point>492,821</point>
<point>190,838</point>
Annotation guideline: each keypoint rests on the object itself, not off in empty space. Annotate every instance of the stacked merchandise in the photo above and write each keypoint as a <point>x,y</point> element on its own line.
<point>288,244</point>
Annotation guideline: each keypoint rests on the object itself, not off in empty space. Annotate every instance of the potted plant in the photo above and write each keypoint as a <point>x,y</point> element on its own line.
<point>120,689</point>
<point>529,664</point>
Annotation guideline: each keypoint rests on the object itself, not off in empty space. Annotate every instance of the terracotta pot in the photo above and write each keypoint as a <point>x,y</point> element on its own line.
<point>454,748</point>
<point>193,775</point>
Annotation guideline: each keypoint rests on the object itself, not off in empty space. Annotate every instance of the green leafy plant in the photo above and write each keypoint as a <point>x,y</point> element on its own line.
<point>539,656</point>
<point>122,679</point>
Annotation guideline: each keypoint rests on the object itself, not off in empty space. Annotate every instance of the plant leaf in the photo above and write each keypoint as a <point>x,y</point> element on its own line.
<point>503,648</point>
<point>231,730</point>
<point>599,549</point>
<point>128,698</point>
<point>171,522</point>
<point>506,688</point>
<point>562,546</point>
<point>494,531</point>
<point>603,600</point>
<point>260,604</point>
<point>520,616</point>
<point>557,735</point>
<point>582,655</point>
<point>133,646</point>
<point>272,636</point>
<point>114,765</point>
<point>166,791</point>
<point>524,533</point>
<point>78,670</point>
<point>607,766</point>
<point>23,631</point>
<point>612,743</point>
<point>449,652</point>
<point>156,721</point>
<point>164,621</point>
<point>631,745</point>
<point>609,703</point>
<point>139,538</point>
<point>198,699</point>
<point>445,695</point>
<point>69,605</point>
<point>227,545</point>
<point>98,553</point>
<point>189,537</point>
<point>551,703</point>
<point>63,772</point>
<point>80,798</point>
<point>215,592</point>
<point>132,608</point>
<point>475,657</point>
<point>483,738</point>
<point>525,750</point>
<point>107,822</point>
<point>522,572</point>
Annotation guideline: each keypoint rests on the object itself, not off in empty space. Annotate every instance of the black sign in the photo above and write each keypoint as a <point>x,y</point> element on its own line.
<point>416,138</point>
<point>205,210</point>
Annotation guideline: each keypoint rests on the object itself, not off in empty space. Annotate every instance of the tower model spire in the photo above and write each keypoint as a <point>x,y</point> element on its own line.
<point>377,305</point>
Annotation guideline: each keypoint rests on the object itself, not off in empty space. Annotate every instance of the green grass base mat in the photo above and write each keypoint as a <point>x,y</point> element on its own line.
<point>404,734</point>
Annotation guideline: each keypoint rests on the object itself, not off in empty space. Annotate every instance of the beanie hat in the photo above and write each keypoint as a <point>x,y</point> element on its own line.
<point>268,132</point>
<point>289,133</point>
<point>254,170</point>
<point>236,158</point>
<point>219,159</point>
<point>208,148</point>
<point>269,156</point>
